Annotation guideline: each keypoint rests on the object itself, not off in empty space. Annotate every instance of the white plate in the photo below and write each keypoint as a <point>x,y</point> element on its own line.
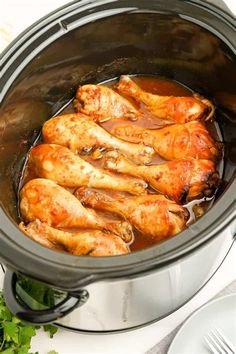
<point>219,313</point>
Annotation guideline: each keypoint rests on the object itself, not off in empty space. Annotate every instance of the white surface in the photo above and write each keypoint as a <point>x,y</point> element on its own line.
<point>15,16</point>
<point>219,313</point>
<point>231,5</point>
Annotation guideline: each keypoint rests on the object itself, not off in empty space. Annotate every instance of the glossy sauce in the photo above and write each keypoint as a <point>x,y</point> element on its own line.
<point>159,86</point>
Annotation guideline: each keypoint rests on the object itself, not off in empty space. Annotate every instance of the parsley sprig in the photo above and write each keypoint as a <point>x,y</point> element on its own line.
<point>15,335</point>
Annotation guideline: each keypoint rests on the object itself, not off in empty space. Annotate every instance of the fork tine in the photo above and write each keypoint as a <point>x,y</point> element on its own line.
<point>210,346</point>
<point>226,341</point>
<point>216,343</point>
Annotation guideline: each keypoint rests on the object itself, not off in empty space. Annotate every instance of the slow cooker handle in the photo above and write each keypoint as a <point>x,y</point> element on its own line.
<point>24,312</point>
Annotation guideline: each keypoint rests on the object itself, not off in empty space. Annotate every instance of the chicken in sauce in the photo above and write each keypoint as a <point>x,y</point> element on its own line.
<point>113,171</point>
<point>181,179</point>
<point>81,134</point>
<point>82,243</point>
<point>102,103</point>
<point>62,166</point>
<point>175,141</point>
<point>167,108</point>
<point>154,215</point>
<point>50,203</point>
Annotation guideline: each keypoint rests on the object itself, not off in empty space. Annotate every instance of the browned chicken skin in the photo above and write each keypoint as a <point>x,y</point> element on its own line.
<point>35,230</point>
<point>59,164</point>
<point>81,134</point>
<point>168,108</point>
<point>153,215</point>
<point>175,141</point>
<point>44,200</point>
<point>181,180</point>
<point>92,243</point>
<point>102,103</point>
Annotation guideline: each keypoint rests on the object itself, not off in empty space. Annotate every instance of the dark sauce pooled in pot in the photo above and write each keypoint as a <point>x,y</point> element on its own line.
<point>158,86</point>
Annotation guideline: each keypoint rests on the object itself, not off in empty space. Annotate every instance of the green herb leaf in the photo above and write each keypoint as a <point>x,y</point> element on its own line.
<point>24,349</point>
<point>5,314</point>
<point>51,329</point>
<point>26,333</point>
<point>8,351</point>
<point>11,332</point>
<point>15,335</point>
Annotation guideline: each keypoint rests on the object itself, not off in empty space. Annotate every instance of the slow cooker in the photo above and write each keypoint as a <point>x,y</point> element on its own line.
<point>191,42</point>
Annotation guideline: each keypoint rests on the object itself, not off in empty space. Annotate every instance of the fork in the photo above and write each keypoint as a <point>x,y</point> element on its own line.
<point>218,343</point>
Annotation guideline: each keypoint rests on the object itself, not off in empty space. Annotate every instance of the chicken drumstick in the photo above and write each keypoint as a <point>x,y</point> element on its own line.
<point>174,141</point>
<point>92,243</point>
<point>102,103</point>
<point>81,134</point>
<point>181,180</point>
<point>44,200</point>
<point>59,164</point>
<point>154,215</point>
<point>168,108</point>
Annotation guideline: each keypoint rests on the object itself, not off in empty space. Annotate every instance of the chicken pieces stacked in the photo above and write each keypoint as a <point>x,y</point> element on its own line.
<point>79,163</point>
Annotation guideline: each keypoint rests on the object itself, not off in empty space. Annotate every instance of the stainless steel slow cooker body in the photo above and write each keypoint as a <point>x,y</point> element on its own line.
<point>91,41</point>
